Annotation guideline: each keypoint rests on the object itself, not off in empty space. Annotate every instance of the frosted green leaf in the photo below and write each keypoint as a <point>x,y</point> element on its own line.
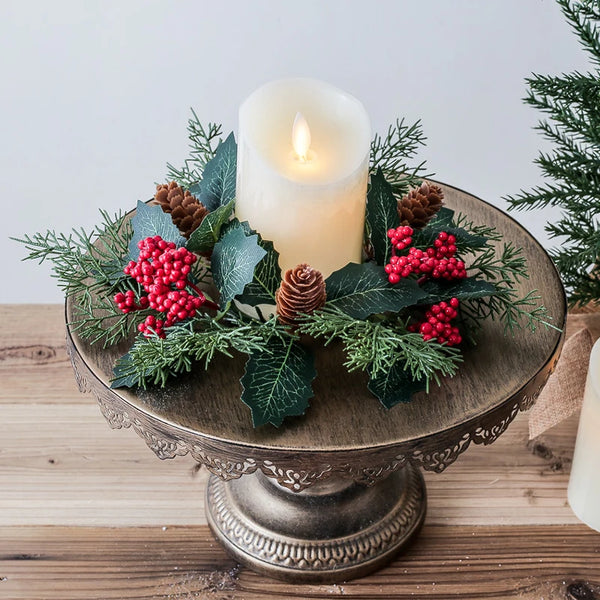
<point>207,233</point>
<point>278,383</point>
<point>394,386</point>
<point>148,221</point>
<point>218,179</point>
<point>363,290</point>
<point>463,289</point>
<point>233,261</point>
<point>382,215</point>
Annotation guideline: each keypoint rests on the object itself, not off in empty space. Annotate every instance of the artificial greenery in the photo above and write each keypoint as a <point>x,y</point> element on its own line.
<point>571,103</point>
<point>363,311</point>
<point>392,154</point>
<point>204,141</point>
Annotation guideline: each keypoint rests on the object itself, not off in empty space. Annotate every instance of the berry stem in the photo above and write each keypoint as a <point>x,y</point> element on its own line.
<point>208,303</point>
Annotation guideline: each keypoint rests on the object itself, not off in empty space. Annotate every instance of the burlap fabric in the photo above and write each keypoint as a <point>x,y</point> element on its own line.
<point>563,394</point>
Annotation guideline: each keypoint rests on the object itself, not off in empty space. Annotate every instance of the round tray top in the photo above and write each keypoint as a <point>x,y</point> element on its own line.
<point>202,412</point>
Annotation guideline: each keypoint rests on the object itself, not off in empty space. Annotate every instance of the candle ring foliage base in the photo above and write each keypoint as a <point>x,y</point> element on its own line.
<point>167,284</point>
<point>332,531</point>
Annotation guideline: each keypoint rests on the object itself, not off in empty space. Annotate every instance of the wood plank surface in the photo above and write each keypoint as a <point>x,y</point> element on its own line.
<point>88,512</point>
<point>186,563</point>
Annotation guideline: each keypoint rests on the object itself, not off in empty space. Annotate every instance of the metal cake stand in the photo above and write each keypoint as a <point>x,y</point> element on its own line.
<point>336,493</point>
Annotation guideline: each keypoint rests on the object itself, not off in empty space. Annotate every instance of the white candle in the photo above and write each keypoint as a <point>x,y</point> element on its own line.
<point>305,192</point>
<point>584,484</point>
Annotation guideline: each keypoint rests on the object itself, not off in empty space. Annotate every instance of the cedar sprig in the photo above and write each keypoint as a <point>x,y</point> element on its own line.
<point>489,232</point>
<point>391,154</point>
<point>91,273</point>
<point>505,270</point>
<point>571,105</point>
<point>377,344</point>
<point>97,319</point>
<point>203,143</point>
<point>154,360</point>
<point>80,265</point>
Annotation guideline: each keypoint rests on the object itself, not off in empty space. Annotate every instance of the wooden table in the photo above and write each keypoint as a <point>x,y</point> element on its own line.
<point>90,513</point>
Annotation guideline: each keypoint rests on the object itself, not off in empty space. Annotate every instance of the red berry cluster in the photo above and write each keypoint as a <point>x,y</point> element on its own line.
<point>437,324</point>
<point>160,267</point>
<point>401,237</point>
<point>437,262</point>
<point>126,301</point>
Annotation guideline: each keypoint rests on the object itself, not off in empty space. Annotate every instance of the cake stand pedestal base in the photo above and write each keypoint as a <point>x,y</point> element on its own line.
<point>333,531</point>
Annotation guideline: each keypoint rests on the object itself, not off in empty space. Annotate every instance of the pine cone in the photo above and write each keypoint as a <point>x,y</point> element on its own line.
<point>185,210</point>
<point>420,205</point>
<point>302,291</point>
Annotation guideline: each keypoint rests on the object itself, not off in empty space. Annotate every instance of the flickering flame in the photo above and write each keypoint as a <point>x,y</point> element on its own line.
<point>301,137</point>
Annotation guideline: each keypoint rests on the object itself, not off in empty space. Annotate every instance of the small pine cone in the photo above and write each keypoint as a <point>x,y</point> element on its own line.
<point>185,210</point>
<point>418,207</point>
<point>302,291</point>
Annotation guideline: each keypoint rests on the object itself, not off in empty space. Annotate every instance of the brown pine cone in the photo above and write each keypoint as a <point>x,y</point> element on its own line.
<point>420,205</point>
<point>185,210</point>
<point>302,291</point>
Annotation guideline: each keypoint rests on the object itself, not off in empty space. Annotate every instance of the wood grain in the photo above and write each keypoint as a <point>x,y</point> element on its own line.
<point>82,507</point>
<point>34,366</point>
<point>185,563</point>
<point>91,475</point>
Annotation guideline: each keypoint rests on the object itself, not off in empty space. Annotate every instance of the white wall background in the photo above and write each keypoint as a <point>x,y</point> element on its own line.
<point>95,95</point>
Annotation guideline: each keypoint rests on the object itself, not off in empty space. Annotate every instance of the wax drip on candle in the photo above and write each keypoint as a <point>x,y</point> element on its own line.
<point>301,139</point>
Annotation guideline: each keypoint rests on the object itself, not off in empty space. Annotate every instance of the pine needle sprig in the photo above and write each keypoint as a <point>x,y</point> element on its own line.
<point>203,142</point>
<point>377,346</point>
<point>81,265</point>
<point>98,320</point>
<point>487,231</point>
<point>392,152</point>
<point>154,360</point>
<point>505,270</point>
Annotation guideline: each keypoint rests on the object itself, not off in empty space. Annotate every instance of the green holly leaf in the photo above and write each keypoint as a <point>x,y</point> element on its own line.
<point>267,277</point>
<point>443,218</point>
<point>444,221</point>
<point>382,214</point>
<point>150,220</point>
<point>218,179</point>
<point>463,289</point>
<point>395,386</point>
<point>233,262</point>
<point>125,374</point>
<point>205,236</point>
<point>278,383</point>
<point>363,290</point>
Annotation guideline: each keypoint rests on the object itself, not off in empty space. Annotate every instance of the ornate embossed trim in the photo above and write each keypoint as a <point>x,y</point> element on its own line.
<point>374,541</point>
<point>298,471</point>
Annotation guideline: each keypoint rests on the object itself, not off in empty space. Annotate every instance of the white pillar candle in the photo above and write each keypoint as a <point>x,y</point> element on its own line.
<point>308,198</point>
<point>584,484</point>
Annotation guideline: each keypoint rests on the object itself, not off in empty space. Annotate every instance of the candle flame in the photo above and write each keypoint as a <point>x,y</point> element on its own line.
<point>301,137</point>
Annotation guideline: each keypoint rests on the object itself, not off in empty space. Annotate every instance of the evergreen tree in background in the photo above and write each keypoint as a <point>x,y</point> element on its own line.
<point>572,105</point>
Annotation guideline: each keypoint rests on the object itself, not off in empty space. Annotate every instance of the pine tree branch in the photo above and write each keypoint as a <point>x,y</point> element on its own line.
<point>581,15</point>
<point>542,196</point>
